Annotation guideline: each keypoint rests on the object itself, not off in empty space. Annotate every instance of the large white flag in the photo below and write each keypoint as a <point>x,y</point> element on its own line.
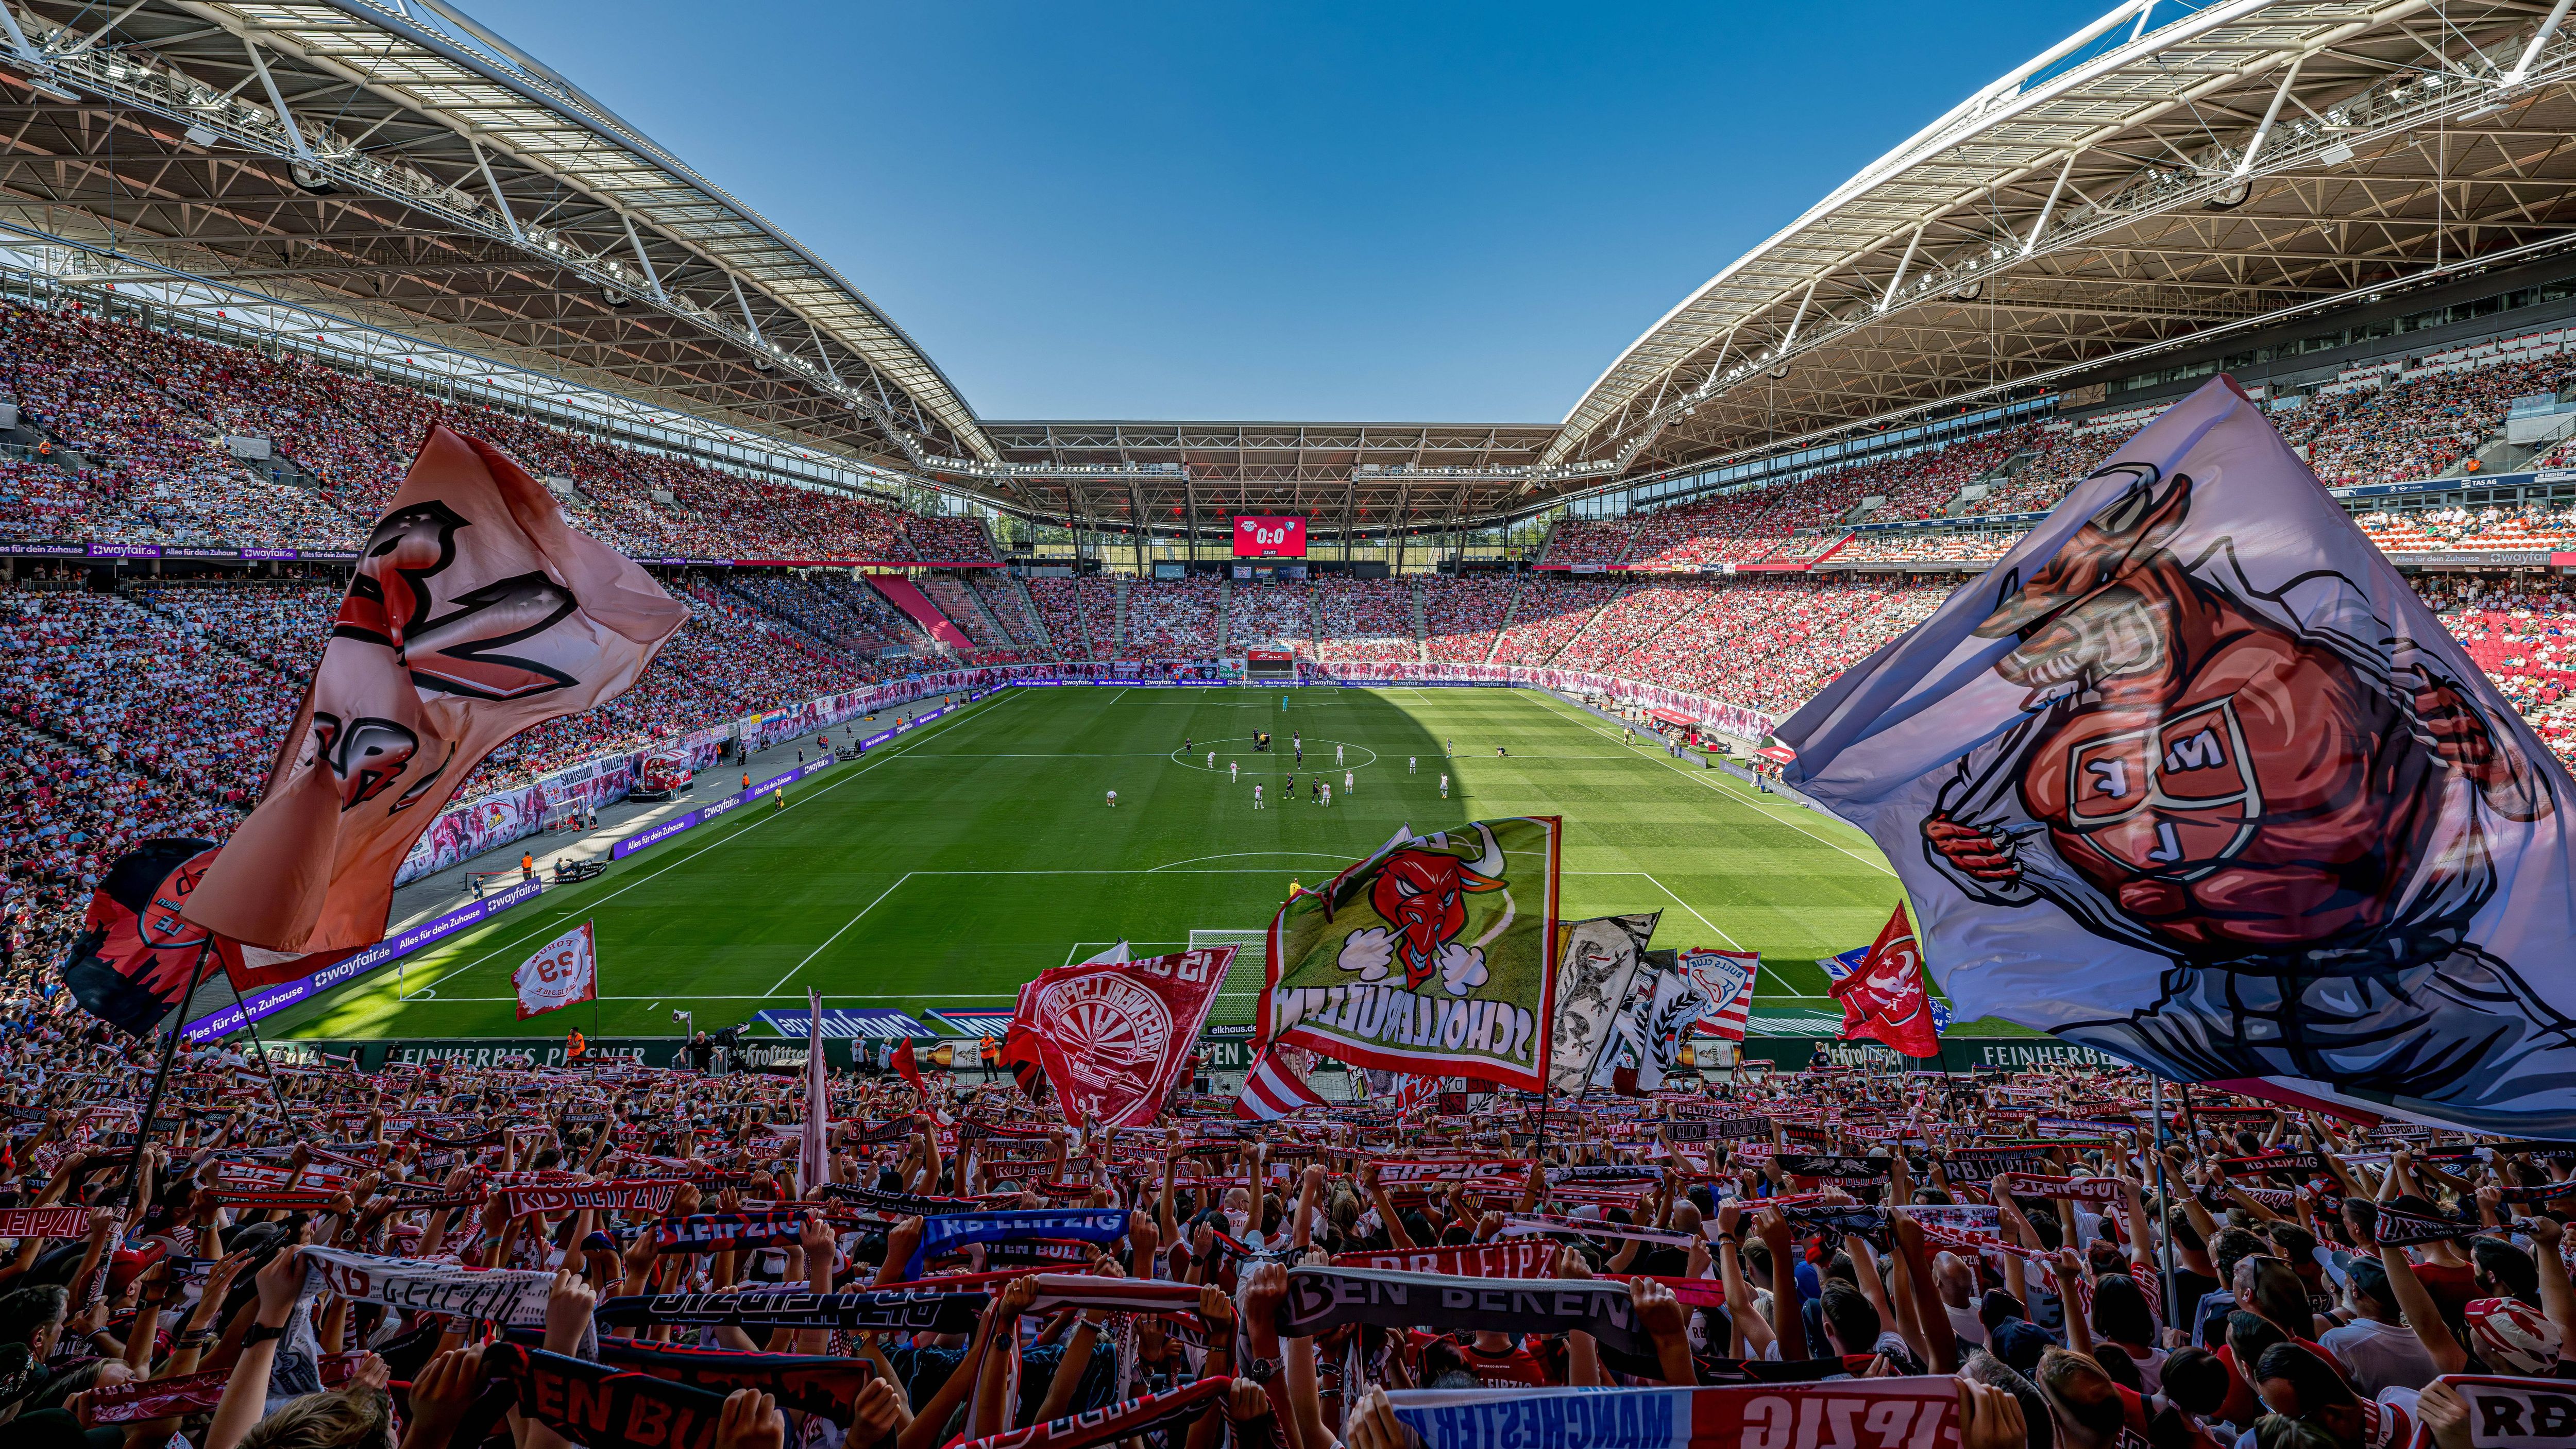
<point>814,1156</point>
<point>564,972</point>
<point>2192,777</point>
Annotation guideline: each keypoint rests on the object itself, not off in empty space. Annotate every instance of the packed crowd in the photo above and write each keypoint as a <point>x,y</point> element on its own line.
<point>1172,619</point>
<point>312,1255</point>
<point>1081,615</point>
<point>1366,619</point>
<point>2416,427</point>
<point>158,712</point>
<point>1271,615</point>
<point>131,420</point>
<point>964,606</point>
<point>1462,616</point>
<point>843,613</point>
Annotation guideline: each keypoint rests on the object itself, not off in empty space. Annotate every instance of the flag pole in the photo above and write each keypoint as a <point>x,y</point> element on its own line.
<point>275,1093</point>
<point>161,1078</point>
<point>2164,1198</point>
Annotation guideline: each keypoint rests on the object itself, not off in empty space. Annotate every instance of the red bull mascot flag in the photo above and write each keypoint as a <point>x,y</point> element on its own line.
<point>1436,955</point>
<point>476,612</point>
<point>2191,777</point>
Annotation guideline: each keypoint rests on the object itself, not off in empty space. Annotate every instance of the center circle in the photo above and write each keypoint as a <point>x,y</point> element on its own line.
<point>1280,751</point>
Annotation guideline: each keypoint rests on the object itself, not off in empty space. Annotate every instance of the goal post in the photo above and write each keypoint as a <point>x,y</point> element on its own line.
<point>1238,998</point>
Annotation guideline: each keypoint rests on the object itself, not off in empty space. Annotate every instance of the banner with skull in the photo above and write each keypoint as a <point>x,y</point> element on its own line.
<point>1598,964</point>
<point>2192,777</point>
<point>1436,955</point>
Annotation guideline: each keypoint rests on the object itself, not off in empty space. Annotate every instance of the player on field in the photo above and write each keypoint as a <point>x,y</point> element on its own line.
<point>1444,787</point>
<point>1113,799</point>
<point>1412,764</point>
<point>1346,782</point>
<point>1185,744</point>
<point>1233,770</point>
<point>1337,754</point>
<point>1256,797</point>
<point>1327,796</point>
<point>1211,759</point>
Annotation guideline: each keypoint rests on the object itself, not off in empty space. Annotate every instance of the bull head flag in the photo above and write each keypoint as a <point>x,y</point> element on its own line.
<point>2191,777</point>
<point>1436,955</point>
<point>476,612</point>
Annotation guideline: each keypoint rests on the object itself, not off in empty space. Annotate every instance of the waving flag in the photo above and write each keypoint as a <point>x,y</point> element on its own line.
<point>2192,777</point>
<point>1272,1089</point>
<point>1435,955</point>
<point>1113,1036</point>
<point>564,972</point>
<point>1726,978</point>
<point>1885,998</point>
<point>135,958</point>
<point>476,612</point>
<point>814,1154</point>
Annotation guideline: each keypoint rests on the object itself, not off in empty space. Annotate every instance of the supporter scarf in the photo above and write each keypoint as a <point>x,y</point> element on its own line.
<point>2510,1413</point>
<point>651,1195</point>
<point>413,1196</point>
<point>949,1232</point>
<point>2404,1230</point>
<point>1895,1411</point>
<point>1321,1298</point>
<point>260,1198</point>
<point>140,1399</point>
<point>505,1295</point>
<point>881,1312</point>
<point>817,1384</point>
<point>1985,1163</point>
<point>1117,1421</point>
<point>1840,1169</point>
<point>900,1204</point>
<point>491,1137</point>
<point>1521,1225</point>
<point>1038,1253</point>
<point>1515,1258</point>
<point>59,1222</point>
<point>2278,1199</point>
<point>1974,1222</point>
<point>2082,1189</point>
<point>1848,1219</point>
<point>1607,1172</point>
<point>590,1403</point>
<point>1117,1295</point>
<point>2301,1163</point>
<point>724,1232</point>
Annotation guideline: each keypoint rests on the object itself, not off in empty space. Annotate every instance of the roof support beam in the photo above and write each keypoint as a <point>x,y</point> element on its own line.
<point>2263,132</point>
<point>652,278</point>
<point>2039,228</point>
<point>1888,297</point>
<point>2531,52</point>
<point>499,202</point>
<point>286,118</point>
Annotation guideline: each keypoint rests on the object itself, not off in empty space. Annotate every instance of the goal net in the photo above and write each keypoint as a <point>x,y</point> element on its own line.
<point>1239,998</point>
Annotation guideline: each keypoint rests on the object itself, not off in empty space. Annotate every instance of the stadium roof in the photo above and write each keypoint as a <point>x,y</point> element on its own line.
<point>399,164</point>
<point>2167,175</point>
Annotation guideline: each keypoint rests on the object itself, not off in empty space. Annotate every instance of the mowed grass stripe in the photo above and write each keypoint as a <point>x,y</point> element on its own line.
<point>981,851</point>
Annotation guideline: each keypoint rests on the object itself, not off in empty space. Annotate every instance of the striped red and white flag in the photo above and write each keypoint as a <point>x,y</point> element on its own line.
<point>1725,977</point>
<point>1272,1090</point>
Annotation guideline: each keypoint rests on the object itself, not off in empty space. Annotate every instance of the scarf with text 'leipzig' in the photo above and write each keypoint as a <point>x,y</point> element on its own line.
<point>878,1312</point>
<point>1909,1411</point>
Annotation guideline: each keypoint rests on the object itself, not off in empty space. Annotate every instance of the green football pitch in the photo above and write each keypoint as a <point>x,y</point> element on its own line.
<point>945,869</point>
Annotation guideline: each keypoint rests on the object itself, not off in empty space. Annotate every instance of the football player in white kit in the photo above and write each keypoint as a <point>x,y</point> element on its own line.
<point>1233,771</point>
<point>1327,795</point>
<point>1337,754</point>
<point>1113,799</point>
<point>1444,787</point>
<point>1346,782</point>
<point>1256,797</point>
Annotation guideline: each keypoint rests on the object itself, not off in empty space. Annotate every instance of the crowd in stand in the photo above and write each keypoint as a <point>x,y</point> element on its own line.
<point>1261,615</point>
<point>1461,616</point>
<point>309,1255</point>
<point>1366,619</point>
<point>1081,615</point>
<point>1172,619</point>
<point>124,427</point>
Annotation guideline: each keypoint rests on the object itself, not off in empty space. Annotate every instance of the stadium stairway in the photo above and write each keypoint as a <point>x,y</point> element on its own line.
<point>1577,637</point>
<point>1224,614</point>
<point>1511,611</point>
<point>907,596</point>
<point>1118,634</point>
<point>1421,633</point>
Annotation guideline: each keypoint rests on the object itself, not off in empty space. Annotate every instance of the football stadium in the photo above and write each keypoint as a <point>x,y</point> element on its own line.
<point>1962,851</point>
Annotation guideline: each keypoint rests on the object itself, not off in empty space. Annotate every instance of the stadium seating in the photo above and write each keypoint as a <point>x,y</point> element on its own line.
<point>131,420</point>
<point>1366,619</point>
<point>1462,615</point>
<point>1076,610</point>
<point>1268,615</point>
<point>1171,619</point>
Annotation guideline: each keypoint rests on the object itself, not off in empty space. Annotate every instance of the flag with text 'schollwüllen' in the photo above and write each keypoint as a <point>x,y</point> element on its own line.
<point>2193,778</point>
<point>476,612</point>
<point>1436,955</point>
<point>135,957</point>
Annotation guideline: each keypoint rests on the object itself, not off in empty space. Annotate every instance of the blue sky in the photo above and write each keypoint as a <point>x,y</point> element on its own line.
<point>1320,212</point>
